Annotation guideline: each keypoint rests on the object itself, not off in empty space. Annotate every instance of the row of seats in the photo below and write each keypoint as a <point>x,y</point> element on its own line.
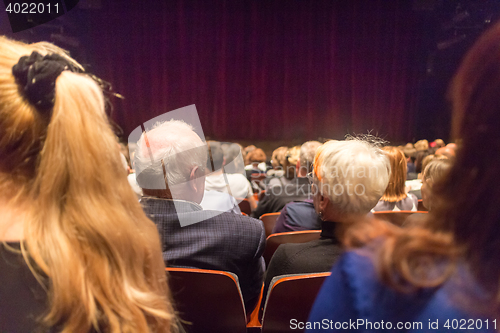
<point>211,301</point>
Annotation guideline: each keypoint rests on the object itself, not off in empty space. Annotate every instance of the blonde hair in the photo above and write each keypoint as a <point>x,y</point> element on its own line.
<point>85,231</point>
<point>395,190</point>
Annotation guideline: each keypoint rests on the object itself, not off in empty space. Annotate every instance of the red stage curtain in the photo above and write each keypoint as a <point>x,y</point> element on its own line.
<point>263,70</point>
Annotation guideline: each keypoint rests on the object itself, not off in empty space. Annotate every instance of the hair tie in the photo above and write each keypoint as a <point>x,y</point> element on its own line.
<point>37,75</point>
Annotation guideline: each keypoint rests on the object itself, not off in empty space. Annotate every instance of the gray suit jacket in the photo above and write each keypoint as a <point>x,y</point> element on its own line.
<point>221,241</point>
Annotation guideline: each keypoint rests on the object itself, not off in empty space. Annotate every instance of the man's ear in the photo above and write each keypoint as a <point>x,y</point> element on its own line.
<point>196,173</point>
<point>323,202</point>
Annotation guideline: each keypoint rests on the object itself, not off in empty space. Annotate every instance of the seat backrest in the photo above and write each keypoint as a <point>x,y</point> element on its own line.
<point>395,217</point>
<point>244,205</point>
<point>420,206</point>
<point>290,297</point>
<point>209,300</point>
<point>275,240</point>
<point>269,221</point>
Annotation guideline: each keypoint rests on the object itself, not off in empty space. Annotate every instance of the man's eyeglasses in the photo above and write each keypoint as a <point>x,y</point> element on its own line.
<point>310,177</point>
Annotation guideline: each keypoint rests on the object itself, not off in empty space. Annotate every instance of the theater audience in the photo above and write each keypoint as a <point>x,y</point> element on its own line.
<point>300,215</point>
<point>348,179</point>
<point>171,172</point>
<point>447,271</point>
<point>77,253</point>
<point>395,197</point>
<point>298,189</point>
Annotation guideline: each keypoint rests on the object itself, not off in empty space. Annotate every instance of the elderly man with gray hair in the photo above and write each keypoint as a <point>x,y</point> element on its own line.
<point>348,179</point>
<point>170,163</point>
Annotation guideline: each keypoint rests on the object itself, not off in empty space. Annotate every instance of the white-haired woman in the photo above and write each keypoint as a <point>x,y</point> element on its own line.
<point>77,253</point>
<point>348,179</point>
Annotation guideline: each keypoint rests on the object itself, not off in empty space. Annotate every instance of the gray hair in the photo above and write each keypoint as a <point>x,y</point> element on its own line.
<point>307,153</point>
<point>170,145</point>
<point>353,174</point>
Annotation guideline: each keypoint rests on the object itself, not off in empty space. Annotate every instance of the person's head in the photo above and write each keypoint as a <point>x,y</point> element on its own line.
<point>246,151</point>
<point>170,162</point>
<point>395,190</point>
<point>422,145</point>
<point>421,155</point>
<point>410,152</point>
<point>306,157</point>
<point>349,178</point>
<point>278,157</point>
<point>83,228</point>
<point>433,172</point>
<point>233,159</point>
<point>256,156</point>
<point>438,143</point>
<point>291,160</point>
<point>446,151</point>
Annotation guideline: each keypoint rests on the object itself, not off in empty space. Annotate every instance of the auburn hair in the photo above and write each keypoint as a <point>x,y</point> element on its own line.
<point>86,237</point>
<point>395,190</point>
<point>464,223</point>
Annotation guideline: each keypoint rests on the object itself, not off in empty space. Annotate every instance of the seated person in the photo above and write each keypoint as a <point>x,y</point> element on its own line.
<point>348,179</point>
<point>278,161</point>
<point>410,154</point>
<point>300,215</point>
<point>446,273</point>
<point>171,172</point>
<point>77,253</point>
<point>395,197</point>
<point>255,168</point>
<point>414,186</point>
<point>433,172</point>
<point>276,197</point>
<point>289,169</point>
<point>223,189</point>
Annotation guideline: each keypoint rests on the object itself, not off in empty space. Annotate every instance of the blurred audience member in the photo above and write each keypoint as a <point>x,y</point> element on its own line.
<point>77,253</point>
<point>446,271</point>
<point>298,189</point>
<point>217,194</point>
<point>300,215</point>
<point>233,184</point>
<point>422,145</point>
<point>395,197</point>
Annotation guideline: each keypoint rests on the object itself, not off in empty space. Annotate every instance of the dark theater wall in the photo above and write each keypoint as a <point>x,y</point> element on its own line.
<point>263,70</point>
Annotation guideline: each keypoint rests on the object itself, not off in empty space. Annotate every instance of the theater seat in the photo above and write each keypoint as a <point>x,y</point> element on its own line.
<point>210,300</point>
<point>290,297</point>
<point>397,218</point>
<point>421,207</point>
<point>269,221</point>
<point>275,240</point>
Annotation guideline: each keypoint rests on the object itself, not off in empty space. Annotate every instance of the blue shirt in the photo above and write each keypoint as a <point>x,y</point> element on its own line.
<point>354,299</point>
